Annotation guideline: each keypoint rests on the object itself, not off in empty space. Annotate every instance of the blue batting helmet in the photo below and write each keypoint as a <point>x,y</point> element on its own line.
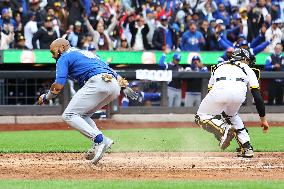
<point>177,56</point>
<point>91,47</point>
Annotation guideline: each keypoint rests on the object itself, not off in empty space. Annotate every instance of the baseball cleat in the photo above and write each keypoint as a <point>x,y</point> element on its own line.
<point>247,153</point>
<point>92,152</point>
<point>101,148</point>
<point>227,137</point>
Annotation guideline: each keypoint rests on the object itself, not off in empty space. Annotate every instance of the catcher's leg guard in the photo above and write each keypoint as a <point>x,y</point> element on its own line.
<point>213,125</point>
<point>245,149</point>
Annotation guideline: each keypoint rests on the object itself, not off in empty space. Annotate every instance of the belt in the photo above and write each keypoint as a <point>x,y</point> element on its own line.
<point>91,74</point>
<point>224,78</point>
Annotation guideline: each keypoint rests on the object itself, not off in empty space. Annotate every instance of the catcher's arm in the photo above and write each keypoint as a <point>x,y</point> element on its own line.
<point>260,108</point>
<point>54,90</point>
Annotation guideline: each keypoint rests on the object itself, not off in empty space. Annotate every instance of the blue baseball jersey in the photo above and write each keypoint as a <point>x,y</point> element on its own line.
<point>80,65</point>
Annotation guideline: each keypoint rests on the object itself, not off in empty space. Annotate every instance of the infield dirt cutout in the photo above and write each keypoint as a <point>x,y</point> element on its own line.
<point>138,165</point>
<point>143,165</point>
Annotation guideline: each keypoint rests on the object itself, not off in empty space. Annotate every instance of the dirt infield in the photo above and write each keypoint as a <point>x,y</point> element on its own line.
<point>158,165</point>
<point>163,165</point>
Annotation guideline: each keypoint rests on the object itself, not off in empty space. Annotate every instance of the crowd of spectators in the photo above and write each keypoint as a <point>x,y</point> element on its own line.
<point>186,25</point>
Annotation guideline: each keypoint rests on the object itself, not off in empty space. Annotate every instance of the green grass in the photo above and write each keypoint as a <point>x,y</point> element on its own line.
<point>87,184</point>
<point>134,140</point>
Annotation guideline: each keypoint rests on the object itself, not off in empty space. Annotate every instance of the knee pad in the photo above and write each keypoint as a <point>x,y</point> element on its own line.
<point>214,126</point>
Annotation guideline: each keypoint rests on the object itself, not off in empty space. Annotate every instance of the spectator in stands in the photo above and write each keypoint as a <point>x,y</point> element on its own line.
<point>6,18</point>
<point>192,40</point>
<point>278,9</point>
<point>19,26</point>
<point>60,12</point>
<point>203,6</point>
<point>76,8</point>
<point>127,5</point>
<point>123,45</point>
<point>227,55</point>
<point>208,36</point>
<point>21,42</point>
<point>40,13</point>
<point>222,14</point>
<point>274,34</point>
<point>76,35</point>
<point>7,36</point>
<point>245,22</point>
<point>174,87</point>
<point>163,37</point>
<point>87,41</point>
<point>261,5</point>
<point>55,22</point>
<point>275,62</point>
<point>30,29</point>
<point>193,89</point>
<point>222,33</point>
<point>256,21</point>
<point>101,35</point>
<point>149,18</point>
<point>207,13</point>
<point>139,30</point>
<point>45,35</point>
<point>144,98</point>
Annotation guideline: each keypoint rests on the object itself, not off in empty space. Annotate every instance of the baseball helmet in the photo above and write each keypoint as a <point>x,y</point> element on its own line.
<point>244,43</point>
<point>243,54</point>
<point>134,84</point>
<point>177,56</point>
<point>91,47</point>
<point>195,58</point>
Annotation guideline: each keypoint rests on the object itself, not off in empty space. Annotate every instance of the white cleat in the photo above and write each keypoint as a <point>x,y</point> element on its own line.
<point>92,152</point>
<point>100,149</point>
<point>228,136</point>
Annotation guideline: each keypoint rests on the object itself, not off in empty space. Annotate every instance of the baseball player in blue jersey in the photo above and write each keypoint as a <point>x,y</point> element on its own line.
<point>99,86</point>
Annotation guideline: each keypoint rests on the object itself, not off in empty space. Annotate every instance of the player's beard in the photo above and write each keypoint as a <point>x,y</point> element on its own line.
<point>59,55</point>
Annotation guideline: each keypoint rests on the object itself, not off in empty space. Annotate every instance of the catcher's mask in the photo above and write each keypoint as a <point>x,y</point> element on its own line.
<point>240,54</point>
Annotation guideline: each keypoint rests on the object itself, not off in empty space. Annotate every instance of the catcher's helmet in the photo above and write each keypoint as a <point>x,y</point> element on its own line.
<point>243,54</point>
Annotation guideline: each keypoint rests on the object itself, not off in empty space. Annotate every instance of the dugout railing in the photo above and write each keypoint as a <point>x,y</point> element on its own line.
<point>114,108</point>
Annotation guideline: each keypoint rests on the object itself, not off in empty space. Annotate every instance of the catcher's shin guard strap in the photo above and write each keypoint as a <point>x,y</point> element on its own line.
<point>210,126</point>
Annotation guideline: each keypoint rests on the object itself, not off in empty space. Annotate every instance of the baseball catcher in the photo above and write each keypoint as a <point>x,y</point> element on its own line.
<point>218,111</point>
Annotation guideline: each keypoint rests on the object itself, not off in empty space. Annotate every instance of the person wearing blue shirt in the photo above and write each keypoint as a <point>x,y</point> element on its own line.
<point>5,18</point>
<point>227,55</point>
<point>255,47</point>
<point>99,86</point>
<point>192,40</point>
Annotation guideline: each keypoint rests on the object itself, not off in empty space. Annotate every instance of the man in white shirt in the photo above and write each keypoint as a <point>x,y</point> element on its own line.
<point>274,34</point>
<point>30,29</point>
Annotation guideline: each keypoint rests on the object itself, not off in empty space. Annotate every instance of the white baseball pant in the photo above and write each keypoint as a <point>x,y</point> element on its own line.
<point>228,99</point>
<point>174,97</point>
